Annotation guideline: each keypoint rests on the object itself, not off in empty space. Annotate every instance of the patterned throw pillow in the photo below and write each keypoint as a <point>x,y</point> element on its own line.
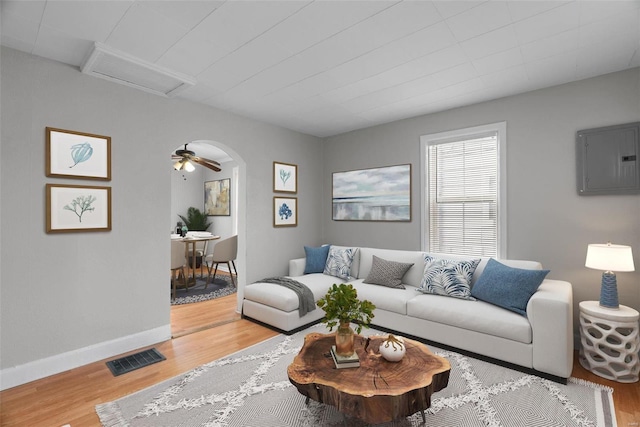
<point>387,273</point>
<point>448,277</point>
<point>339,262</point>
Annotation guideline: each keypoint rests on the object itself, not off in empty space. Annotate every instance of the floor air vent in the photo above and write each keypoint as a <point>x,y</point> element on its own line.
<point>135,361</point>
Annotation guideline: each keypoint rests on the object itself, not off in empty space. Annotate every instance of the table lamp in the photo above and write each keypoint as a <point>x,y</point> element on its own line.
<point>609,258</point>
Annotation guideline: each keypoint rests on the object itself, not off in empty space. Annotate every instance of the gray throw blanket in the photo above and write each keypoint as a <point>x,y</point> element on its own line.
<point>305,296</point>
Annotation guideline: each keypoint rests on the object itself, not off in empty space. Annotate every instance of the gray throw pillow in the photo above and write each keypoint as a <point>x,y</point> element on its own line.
<point>387,273</point>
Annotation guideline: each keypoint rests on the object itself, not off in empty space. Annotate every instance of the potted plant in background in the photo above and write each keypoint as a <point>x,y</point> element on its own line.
<point>196,220</point>
<point>341,307</point>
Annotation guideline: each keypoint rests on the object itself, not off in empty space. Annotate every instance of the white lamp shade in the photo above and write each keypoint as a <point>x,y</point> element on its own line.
<point>608,257</point>
<point>188,166</point>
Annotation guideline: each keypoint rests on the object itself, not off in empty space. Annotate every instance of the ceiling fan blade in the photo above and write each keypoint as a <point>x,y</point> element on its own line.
<point>202,162</point>
<point>213,162</point>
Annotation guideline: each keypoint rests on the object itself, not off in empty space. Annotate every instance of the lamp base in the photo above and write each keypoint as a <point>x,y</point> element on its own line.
<point>609,290</point>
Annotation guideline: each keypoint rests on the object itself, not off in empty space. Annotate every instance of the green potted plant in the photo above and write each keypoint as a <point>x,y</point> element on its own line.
<point>341,307</point>
<point>196,220</point>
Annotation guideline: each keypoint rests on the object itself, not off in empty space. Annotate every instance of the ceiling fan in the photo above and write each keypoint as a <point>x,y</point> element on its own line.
<point>186,158</point>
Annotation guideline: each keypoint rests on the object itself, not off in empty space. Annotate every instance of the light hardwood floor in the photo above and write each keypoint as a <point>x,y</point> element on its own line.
<point>70,397</point>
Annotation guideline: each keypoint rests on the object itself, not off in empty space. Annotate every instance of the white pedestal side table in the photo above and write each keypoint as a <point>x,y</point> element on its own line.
<point>610,341</point>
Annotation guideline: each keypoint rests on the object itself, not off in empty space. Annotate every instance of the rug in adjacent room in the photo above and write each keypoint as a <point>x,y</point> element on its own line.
<point>251,389</point>
<point>220,287</point>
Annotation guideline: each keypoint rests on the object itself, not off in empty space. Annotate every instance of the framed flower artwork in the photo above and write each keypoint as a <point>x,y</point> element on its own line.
<point>285,211</point>
<point>71,154</point>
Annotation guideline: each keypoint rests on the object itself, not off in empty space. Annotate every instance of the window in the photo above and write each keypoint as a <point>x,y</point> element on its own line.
<point>464,209</point>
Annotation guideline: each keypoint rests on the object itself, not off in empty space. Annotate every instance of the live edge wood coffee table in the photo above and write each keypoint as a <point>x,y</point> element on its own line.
<point>378,391</point>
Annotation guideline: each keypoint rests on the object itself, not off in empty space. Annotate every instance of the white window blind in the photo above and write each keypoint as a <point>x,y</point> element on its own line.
<point>463,195</point>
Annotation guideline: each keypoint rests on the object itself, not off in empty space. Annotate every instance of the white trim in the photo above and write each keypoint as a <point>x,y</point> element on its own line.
<point>448,136</point>
<point>31,371</point>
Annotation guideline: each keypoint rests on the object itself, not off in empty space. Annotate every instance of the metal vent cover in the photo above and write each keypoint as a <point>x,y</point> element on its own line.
<point>120,67</point>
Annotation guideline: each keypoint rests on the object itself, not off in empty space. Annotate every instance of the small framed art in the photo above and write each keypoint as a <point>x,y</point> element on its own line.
<point>76,208</point>
<point>72,154</point>
<point>285,211</point>
<point>217,197</point>
<point>285,178</point>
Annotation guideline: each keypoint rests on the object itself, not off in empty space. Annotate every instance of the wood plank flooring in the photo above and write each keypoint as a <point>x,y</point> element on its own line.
<point>70,397</point>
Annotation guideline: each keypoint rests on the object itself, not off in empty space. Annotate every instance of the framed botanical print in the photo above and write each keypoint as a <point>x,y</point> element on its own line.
<point>285,178</point>
<point>217,197</point>
<point>77,208</point>
<point>71,154</point>
<point>285,211</point>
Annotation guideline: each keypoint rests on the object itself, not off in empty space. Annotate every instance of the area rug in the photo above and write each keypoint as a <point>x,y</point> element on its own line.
<point>220,287</point>
<point>250,388</point>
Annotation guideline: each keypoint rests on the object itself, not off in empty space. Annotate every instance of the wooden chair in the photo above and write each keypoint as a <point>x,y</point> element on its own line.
<point>178,261</point>
<point>224,251</point>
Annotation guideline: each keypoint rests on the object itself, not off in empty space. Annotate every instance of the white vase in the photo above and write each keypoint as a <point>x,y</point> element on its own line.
<point>393,348</point>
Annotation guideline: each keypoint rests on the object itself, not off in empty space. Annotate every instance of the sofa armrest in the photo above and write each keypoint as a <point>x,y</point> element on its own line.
<point>296,267</point>
<point>550,312</point>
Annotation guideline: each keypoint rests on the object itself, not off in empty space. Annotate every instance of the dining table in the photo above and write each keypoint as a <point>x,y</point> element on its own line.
<point>190,241</point>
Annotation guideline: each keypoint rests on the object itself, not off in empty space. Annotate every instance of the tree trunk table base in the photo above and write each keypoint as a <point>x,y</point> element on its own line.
<point>378,391</point>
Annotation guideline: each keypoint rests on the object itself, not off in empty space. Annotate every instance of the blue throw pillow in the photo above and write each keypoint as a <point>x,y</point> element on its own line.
<point>316,259</point>
<point>507,287</point>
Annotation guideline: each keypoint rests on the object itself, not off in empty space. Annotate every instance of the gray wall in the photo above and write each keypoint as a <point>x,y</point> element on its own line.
<point>65,292</point>
<point>547,220</point>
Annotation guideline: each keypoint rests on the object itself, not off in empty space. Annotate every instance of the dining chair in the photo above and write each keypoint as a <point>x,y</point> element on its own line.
<point>178,261</point>
<point>224,251</point>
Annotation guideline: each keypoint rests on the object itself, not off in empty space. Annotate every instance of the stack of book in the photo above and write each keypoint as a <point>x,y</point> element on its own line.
<point>344,361</point>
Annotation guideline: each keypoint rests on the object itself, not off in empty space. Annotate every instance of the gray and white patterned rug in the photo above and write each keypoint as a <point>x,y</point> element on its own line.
<point>250,388</point>
<point>219,287</point>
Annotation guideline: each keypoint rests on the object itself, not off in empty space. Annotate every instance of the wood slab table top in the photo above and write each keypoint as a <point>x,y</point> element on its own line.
<point>377,391</point>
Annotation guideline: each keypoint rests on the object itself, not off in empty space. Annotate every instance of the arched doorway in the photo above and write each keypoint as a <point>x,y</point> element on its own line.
<point>234,167</point>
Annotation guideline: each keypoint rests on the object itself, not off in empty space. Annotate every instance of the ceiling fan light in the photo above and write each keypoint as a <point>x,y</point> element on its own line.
<point>178,165</point>
<point>188,166</point>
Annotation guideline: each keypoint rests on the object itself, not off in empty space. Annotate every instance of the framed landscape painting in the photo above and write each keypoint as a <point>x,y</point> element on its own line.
<point>285,178</point>
<point>285,211</point>
<point>72,154</point>
<point>217,197</point>
<point>377,194</point>
<point>77,208</point>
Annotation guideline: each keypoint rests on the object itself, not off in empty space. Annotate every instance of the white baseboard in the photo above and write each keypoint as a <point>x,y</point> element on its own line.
<point>22,374</point>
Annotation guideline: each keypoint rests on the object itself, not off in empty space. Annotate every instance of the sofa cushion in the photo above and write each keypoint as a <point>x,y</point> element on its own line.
<point>285,299</point>
<point>339,262</point>
<point>316,259</point>
<point>389,299</point>
<point>477,316</point>
<point>448,277</point>
<point>508,287</point>
<point>387,273</point>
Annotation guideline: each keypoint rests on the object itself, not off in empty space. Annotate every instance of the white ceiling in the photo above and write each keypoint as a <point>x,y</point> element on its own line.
<point>327,67</point>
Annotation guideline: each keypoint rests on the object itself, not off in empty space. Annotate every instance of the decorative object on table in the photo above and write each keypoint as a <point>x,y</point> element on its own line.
<point>610,341</point>
<point>186,158</point>
<point>481,392</point>
<point>285,211</point>
<point>610,258</point>
<point>343,362</point>
<point>76,208</point>
<point>285,177</point>
<point>378,194</point>
<point>341,307</point>
<point>72,154</point>
<point>393,348</point>
<point>217,197</point>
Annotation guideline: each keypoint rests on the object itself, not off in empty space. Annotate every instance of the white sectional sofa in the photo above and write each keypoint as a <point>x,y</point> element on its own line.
<point>541,341</point>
